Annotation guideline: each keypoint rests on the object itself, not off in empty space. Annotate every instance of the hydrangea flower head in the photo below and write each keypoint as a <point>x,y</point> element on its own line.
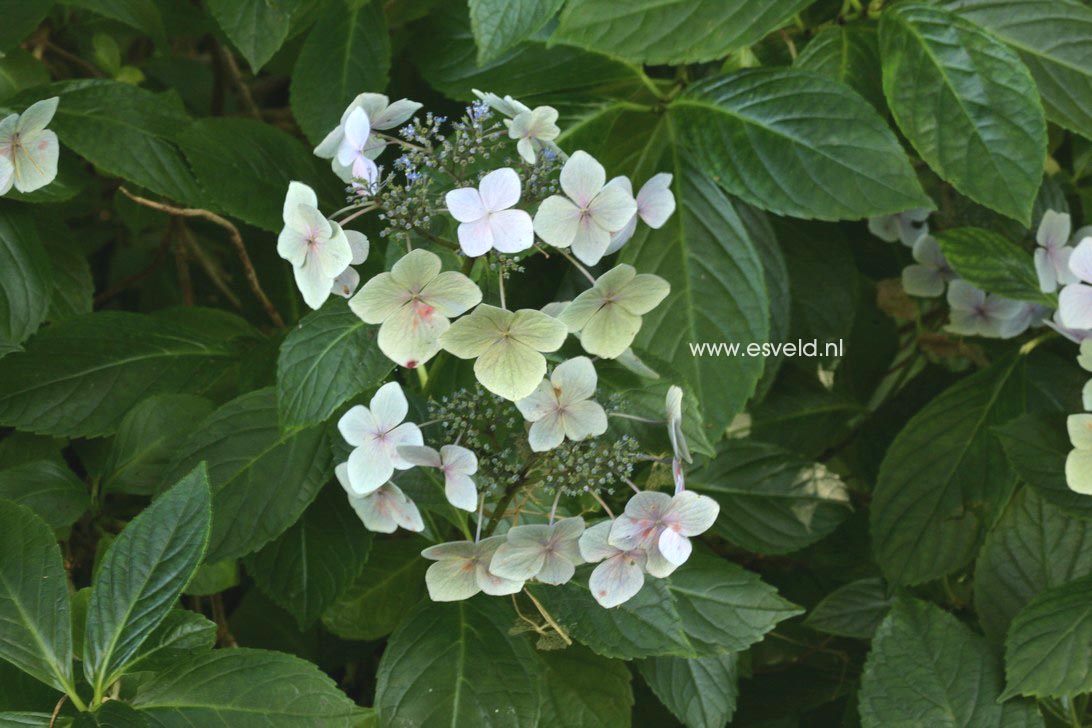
<point>608,315</point>
<point>507,346</point>
<point>1052,253</point>
<point>1075,300</point>
<point>317,248</point>
<point>655,204</point>
<point>930,273</point>
<point>380,113</point>
<point>29,151</point>
<point>561,406</point>
<point>462,570</point>
<point>486,222</point>
<point>376,432</point>
<point>549,553</point>
<point>385,509</point>
<point>662,525</point>
<point>905,227</point>
<point>620,574</point>
<point>588,213</point>
<point>352,153</point>
<point>976,313</point>
<point>531,128</point>
<point>456,463</point>
<point>345,284</point>
<point>413,304</point>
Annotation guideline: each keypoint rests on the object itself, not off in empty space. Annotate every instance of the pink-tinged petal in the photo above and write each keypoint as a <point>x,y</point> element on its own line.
<point>405,434</point>
<point>499,189</point>
<point>648,505</point>
<point>568,529</point>
<point>963,295</point>
<point>692,512</point>
<point>964,322</point>
<point>403,510</point>
<point>369,467</point>
<point>538,403</point>
<point>1060,257</point>
<point>1054,229</point>
<point>389,406</point>
<point>1080,260</point>
<point>658,566</point>
<point>298,194</point>
<point>357,128</point>
<point>387,509</point>
<point>460,491</point>
<point>557,221</point>
<point>476,238</point>
<point>513,231</point>
<point>292,245</point>
<point>612,209</point>
<point>516,561</point>
<point>356,425</point>
<point>556,570</point>
<point>1044,268</point>
<point>617,580</point>
<point>674,547</point>
<point>451,550</point>
<point>465,204</point>
<point>365,169</point>
<point>655,201</point>
<point>452,580</point>
<point>496,586</point>
<point>458,459</point>
<point>582,178</point>
<point>1075,306</point>
<point>623,236</point>
<point>628,533</point>
<point>420,455</point>
<point>591,241</point>
<point>593,543</point>
<point>346,283</point>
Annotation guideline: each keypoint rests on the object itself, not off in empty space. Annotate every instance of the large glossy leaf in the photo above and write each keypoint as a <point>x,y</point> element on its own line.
<point>346,52</point>
<point>49,489</point>
<point>580,688</point>
<point>262,479</point>
<point>26,276</point>
<point>1034,547</point>
<point>35,622</point>
<point>391,583</point>
<point>1050,36</point>
<point>989,261</point>
<point>848,53</point>
<point>311,564</point>
<point>73,288</point>
<point>967,104</point>
<point>925,668</point>
<point>944,479</point>
<point>702,692</point>
<point>1037,446</point>
<point>181,634</point>
<point>257,28</point>
<point>147,439</point>
<point>245,688</point>
<point>1048,651</point>
<point>455,664</point>
<point>775,138</point>
<point>20,18</point>
<point>671,31</point>
<point>80,377</point>
<point>853,610</point>
<point>325,361</point>
<point>499,25</point>
<point>143,574</point>
<point>123,130</point>
<point>771,501</point>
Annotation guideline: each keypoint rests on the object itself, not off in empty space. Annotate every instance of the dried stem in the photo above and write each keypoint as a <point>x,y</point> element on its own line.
<point>240,85</point>
<point>236,240</point>
<point>549,620</point>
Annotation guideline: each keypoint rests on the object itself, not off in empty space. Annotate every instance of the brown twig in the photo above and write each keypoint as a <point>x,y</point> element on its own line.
<point>212,270</point>
<point>57,710</point>
<point>236,240</point>
<point>73,58</point>
<point>240,85</point>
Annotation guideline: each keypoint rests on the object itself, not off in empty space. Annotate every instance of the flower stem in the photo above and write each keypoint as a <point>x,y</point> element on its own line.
<point>603,503</point>
<point>553,508</point>
<point>549,620</point>
<point>565,254</point>
<point>635,418</point>
<point>500,286</point>
<point>481,517</point>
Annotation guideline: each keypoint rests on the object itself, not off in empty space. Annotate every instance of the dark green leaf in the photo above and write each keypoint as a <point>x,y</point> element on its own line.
<point>80,377</point>
<point>142,576</point>
<point>580,688</point>
<point>989,261</point>
<point>20,70</point>
<point>26,276</point>
<point>853,610</point>
<point>671,31</point>
<point>113,714</point>
<point>35,625</point>
<point>1037,446</point>
<point>73,289</point>
<point>329,358</point>
<point>848,53</point>
<point>499,25</point>
<point>771,501</point>
<point>143,15</point>
<point>20,18</point>
<point>49,489</point>
<point>701,692</point>
<point>257,28</point>
<point>346,52</point>
<point>179,635</point>
<point>967,104</point>
<point>242,688</point>
<point>262,479</point>
<point>747,129</point>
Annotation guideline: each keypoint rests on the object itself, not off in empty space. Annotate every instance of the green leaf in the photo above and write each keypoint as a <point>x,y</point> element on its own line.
<point>701,692</point>
<point>19,691</point>
<point>123,130</point>
<point>944,479</point>
<point>1034,547</point>
<point>49,489</point>
<point>391,583</point>
<point>142,576</point>
<point>708,606</point>
<point>181,634</point>
<point>245,167</point>
<point>213,578</point>
<point>306,568</point>
<point>245,688</point>
<point>73,289</point>
<point>500,25</point>
<point>455,664</point>
<point>850,54</point>
<point>967,104</point>
<point>20,18</point>
<point>580,688</point>
<point>748,130</point>
<point>20,70</point>
<point>671,31</point>
<point>775,273</point>
<point>771,501</point>
<point>927,669</point>
<point>35,626</point>
<point>1048,652</point>
<point>1037,446</point>
<point>346,52</point>
<point>26,276</point>
<point>1050,36</point>
<point>113,714</point>
<point>262,479</point>
<point>80,377</point>
<point>853,610</point>
<point>142,15</point>
<point>987,260</point>
<point>147,439</point>
<point>257,28</point>
<point>24,719</point>
<point>328,359</point>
